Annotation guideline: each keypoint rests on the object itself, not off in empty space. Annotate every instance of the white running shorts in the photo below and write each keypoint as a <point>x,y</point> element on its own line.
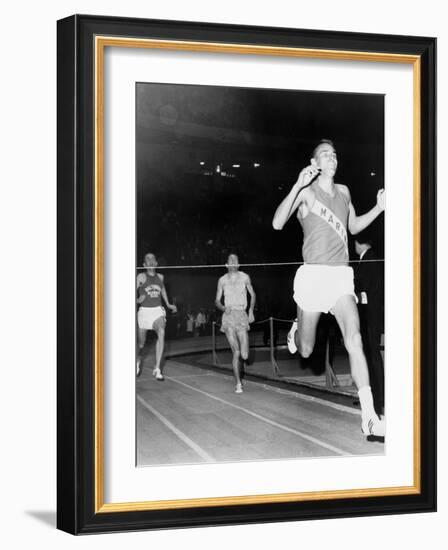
<point>146,316</point>
<point>319,287</point>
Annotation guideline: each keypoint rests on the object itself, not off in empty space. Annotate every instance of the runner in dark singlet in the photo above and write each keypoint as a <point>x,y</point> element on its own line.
<point>151,315</point>
<point>325,282</point>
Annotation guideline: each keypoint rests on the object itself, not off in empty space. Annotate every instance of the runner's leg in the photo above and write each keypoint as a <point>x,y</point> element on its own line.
<point>305,336</point>
<point>159,327</point>
<point>243,338</point>
<point>141,339</point>
<point>346,313</point>
<point>235,347</point>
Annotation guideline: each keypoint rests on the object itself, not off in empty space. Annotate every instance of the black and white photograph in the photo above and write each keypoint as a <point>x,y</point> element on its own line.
<point>259,275</point>
<point>173,142</point>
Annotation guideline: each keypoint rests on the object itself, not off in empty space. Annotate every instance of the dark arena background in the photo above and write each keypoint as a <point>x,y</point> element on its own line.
<point>212,165</point>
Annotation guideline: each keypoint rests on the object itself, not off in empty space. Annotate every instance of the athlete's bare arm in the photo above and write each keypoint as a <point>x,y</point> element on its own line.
<point>219,293</point>
<point>141,278</point>
<point>253,298</point>
<point>356,224</point>
<point>172,307</point>
<point>299,193</point>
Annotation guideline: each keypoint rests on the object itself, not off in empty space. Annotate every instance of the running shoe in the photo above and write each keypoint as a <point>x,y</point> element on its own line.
<point>139,369</point>
<point>158,375</point>
<point>239,388</point>
<point>291,337</point>
<point>373,426</point>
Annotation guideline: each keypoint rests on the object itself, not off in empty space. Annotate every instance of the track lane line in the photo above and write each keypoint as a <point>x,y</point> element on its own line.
<point>307,437</point>
<point>292,393</point>
<point>199,450</point>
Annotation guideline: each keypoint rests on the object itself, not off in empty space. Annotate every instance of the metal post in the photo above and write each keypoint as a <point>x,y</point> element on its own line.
<point>273,361</point>
<point>330,376</point>
<point>215,359</point>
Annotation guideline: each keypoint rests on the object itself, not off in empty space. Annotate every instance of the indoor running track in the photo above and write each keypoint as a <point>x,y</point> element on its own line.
<point>195,416</point>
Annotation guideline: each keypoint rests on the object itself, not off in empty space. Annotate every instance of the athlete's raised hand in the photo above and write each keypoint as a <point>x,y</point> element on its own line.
<point>381,199</point>
<point>307,175</point>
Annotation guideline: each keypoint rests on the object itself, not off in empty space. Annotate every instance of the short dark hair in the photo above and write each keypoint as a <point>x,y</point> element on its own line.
<point>322,142</point>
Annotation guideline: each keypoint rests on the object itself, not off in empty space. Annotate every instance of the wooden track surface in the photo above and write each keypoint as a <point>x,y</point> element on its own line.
<point>194,416</point>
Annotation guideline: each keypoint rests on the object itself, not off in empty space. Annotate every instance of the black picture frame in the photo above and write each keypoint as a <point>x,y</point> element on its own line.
<point>79,505</point>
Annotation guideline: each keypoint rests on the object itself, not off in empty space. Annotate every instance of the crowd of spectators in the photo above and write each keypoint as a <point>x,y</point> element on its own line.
<point>203,224</point>
<point>190,323</point>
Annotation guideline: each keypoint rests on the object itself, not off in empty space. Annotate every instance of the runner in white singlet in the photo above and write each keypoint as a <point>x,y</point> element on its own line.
<point>235,285</point>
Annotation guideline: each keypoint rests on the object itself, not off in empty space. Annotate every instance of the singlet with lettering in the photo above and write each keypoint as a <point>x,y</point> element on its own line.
<point>235,293</point>
<point>152,289</point>
<point>325,229</point>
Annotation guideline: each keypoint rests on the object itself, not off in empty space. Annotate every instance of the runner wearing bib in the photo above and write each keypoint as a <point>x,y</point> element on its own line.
<point>325,252</point>
<point>325,282</point>
<point>151,315</point>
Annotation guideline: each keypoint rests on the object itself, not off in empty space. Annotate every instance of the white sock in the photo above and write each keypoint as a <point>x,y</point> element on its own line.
<point>366,402</point>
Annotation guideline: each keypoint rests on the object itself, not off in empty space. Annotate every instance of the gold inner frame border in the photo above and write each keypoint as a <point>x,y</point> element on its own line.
<point>100,43</point>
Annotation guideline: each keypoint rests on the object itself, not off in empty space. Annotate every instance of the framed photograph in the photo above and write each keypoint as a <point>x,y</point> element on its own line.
<point>246,274</point>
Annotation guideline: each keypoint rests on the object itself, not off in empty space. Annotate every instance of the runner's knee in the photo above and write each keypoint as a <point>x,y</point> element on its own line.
<point>141,340</point>
<point>243,347</point>
<point>305,349</point>
<point>304,343</point>
<point>353,342</point>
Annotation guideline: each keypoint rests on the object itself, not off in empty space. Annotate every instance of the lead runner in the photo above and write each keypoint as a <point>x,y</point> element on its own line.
<point>325,282</point>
